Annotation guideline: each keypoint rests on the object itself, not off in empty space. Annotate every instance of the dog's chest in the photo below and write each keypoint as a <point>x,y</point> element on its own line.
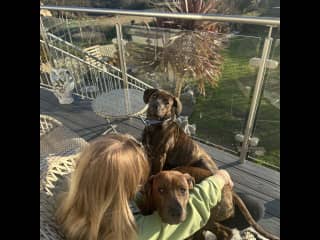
<point>153,135</point>
<point>168,140</point>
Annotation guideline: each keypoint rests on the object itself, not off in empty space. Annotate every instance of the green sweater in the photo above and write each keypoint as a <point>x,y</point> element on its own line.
<point>203,197</point>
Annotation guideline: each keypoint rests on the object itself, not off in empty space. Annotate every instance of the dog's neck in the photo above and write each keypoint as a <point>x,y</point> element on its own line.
<point>152,122</point>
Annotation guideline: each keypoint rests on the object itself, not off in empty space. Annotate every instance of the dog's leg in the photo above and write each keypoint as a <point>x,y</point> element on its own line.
<point>159,156</point>
<point>225,208</point>
<point>158,164</point>
<point>144,138</point>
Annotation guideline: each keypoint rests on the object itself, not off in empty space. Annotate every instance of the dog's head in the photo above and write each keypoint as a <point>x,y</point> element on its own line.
<point>162,105</point>
<point>169,193</point>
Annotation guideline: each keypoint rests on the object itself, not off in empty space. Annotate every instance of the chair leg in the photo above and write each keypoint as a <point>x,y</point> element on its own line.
<point>112,128</point>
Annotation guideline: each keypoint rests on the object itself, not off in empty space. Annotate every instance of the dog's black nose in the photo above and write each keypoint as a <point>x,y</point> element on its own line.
<point>176,210</point>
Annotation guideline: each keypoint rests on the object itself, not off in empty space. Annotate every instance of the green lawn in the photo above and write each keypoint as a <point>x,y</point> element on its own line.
<point>221,114</point>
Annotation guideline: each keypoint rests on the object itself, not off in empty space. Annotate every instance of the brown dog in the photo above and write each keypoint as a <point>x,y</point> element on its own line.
<point>168,193</point>
<point>168,147</point>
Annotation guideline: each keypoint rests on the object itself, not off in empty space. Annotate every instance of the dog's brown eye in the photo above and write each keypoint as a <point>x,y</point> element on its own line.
<point>161,190</point>
<point>182,190</point>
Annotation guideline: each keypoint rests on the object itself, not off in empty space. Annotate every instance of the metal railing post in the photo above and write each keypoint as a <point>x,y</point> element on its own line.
<point>123,65</point>
<point>256,96</point>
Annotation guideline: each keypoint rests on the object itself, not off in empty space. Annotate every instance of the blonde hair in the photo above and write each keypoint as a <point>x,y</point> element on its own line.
<point>106,177</point>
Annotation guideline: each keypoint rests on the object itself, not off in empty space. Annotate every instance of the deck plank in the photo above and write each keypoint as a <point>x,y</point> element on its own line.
<point>271,224</point>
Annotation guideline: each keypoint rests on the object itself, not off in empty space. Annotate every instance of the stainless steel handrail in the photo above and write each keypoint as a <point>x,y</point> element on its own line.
<point>266,21</point>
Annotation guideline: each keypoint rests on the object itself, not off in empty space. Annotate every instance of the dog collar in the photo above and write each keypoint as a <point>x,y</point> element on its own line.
<point>149,122</point>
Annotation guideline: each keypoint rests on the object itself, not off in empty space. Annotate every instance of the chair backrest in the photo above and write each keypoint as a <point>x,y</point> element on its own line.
<point>59,147</point>
<point>59,150</point>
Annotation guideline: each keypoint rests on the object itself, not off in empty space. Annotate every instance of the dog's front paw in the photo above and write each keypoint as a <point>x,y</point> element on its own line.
<point>209,235</point>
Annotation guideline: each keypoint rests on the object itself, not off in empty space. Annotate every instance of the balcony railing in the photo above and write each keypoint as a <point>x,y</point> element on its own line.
<point>240,115</point>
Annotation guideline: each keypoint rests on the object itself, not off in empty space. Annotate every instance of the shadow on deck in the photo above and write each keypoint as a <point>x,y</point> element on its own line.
<point>260,182</point>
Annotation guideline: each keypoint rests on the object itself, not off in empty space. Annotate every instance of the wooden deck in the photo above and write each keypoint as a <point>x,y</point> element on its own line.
<point>259,181</point>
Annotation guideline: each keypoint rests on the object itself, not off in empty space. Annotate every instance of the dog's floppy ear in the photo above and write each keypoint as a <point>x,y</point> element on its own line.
<point>147,94</point>
<point>178,106</point>
<point>146,205</point>
<point>148,186</point>
<point>191,181</point>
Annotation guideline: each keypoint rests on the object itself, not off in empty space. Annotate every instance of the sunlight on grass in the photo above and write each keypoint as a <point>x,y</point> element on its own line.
<point>221,114</point>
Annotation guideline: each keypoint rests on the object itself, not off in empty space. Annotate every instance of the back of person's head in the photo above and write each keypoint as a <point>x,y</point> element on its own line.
<point>107,175</point>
